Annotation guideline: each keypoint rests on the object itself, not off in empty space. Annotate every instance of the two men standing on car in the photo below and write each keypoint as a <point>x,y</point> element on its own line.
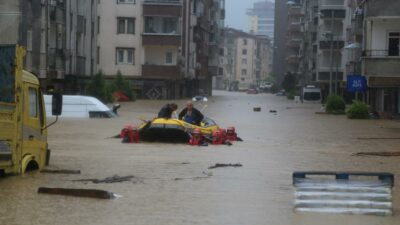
<point>189,114</point>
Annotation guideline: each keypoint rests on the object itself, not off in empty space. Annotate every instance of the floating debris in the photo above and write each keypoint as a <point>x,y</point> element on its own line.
<point>257,109</point>
<point>225,165</point>
<point>378,138</point>
<point>61,171</point>
<point>113,179</point>
<point>273,111</point>
<point>385,154</point>
<point>87,193</point>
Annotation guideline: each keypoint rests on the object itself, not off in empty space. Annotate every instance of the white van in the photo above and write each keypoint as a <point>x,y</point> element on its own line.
<point>78,106</point>
<point>311,94</point>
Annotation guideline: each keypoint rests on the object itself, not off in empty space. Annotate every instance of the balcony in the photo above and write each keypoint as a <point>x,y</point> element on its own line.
<point>161,72</point>
<point>161,31</point>
<point>161,39</point>
<point>332,5</point>
<point>326,45</point>
<point>381,63</point>
<point>162,8</point>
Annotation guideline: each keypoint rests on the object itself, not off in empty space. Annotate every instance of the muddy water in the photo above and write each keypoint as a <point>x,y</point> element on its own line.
<point>260,192</point>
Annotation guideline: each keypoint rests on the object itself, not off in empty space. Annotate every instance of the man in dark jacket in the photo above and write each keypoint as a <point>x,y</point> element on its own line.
<point>191,114</point>
<point>167,110</point>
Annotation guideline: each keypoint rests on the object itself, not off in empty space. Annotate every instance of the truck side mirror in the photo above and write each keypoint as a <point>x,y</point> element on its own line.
<point>56,104</point>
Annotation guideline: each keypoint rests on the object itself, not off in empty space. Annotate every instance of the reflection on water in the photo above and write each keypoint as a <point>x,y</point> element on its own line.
<point>260,192</point>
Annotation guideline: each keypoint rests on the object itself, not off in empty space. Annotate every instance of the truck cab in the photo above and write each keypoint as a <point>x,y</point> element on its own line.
<point>23,128</point>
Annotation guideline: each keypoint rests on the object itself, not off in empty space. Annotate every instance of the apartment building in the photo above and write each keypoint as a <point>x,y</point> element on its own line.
<point>317,33</point>
<point>279,41</point>
<point>381,54</point>
<point>262,18</point>
<point>247,59</point>
<point>164,47</point>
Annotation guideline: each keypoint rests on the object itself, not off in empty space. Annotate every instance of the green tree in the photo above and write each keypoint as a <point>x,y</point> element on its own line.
<point>99,89</point>
<point>122,85</point>
<point>289,82</point>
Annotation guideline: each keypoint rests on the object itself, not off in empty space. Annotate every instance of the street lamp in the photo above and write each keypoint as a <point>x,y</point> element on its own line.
<point>353,47</point>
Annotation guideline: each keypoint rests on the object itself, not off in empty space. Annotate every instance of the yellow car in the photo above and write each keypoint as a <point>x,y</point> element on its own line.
<point>173,130</point>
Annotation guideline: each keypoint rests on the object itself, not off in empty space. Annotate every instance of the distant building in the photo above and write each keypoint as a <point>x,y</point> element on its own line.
<point>262,17</point>
<point>247,59</point>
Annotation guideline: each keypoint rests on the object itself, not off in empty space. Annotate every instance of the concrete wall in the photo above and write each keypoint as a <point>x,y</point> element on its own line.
<point>377,8</point>
<point>382,67</point>
<point>9,21</point>
<point>378,32</point>
<point>156,55</point>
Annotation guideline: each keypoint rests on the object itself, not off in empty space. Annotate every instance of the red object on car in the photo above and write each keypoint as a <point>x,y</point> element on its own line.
<point>130,134</point>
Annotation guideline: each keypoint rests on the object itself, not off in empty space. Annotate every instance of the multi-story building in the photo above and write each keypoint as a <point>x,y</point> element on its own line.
<point>279,41</point>
<point>317,34</point>
<point>294,39</point>
<point>381,54</point>
<point>81,56</point>
<point>247,59</point>
<point>161,46</point>
<point>262,17</point>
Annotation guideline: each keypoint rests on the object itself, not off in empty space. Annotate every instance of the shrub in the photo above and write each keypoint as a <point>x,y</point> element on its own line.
<point>358,110</point>
<point>98,88</point>
<point>335,105</point>
<point>291,95</point>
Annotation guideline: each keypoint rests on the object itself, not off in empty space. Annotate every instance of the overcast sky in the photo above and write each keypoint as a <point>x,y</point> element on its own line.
<point>236,13</point>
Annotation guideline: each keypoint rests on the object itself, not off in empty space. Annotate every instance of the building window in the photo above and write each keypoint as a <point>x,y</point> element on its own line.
<point>98,55</point>
<point>168,58</point>
<point>126,25</point>
<point>98,24</point>
<point>244,41</point>
<point>220,71</point>
<point>125,56</point>
<point>126,1</point>
<point>244,52</point>
<point>221,51</point>
<point>394,44</point>
<point>244,61</point>
<point>244,72</point>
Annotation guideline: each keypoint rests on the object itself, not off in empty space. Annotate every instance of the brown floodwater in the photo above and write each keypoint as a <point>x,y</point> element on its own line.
<point>260,192</point>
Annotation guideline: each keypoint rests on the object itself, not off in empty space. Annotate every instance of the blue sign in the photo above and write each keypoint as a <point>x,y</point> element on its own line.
<point>356,83</point>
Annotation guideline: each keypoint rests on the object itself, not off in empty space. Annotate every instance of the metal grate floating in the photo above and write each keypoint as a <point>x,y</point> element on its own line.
<point>346,193</point>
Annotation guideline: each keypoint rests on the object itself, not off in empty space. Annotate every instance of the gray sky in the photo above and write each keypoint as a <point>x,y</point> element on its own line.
<point>236,13</point>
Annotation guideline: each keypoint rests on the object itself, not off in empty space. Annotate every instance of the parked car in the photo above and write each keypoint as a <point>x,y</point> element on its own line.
<point>252,91</point>
<point>281,93</point>
<point>199,98</point>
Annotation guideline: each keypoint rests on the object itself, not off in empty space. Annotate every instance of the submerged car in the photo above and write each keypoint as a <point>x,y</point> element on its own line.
<point>173,130</point>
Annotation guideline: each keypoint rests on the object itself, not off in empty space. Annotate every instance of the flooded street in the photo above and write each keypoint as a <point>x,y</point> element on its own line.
<point>172,183</point>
